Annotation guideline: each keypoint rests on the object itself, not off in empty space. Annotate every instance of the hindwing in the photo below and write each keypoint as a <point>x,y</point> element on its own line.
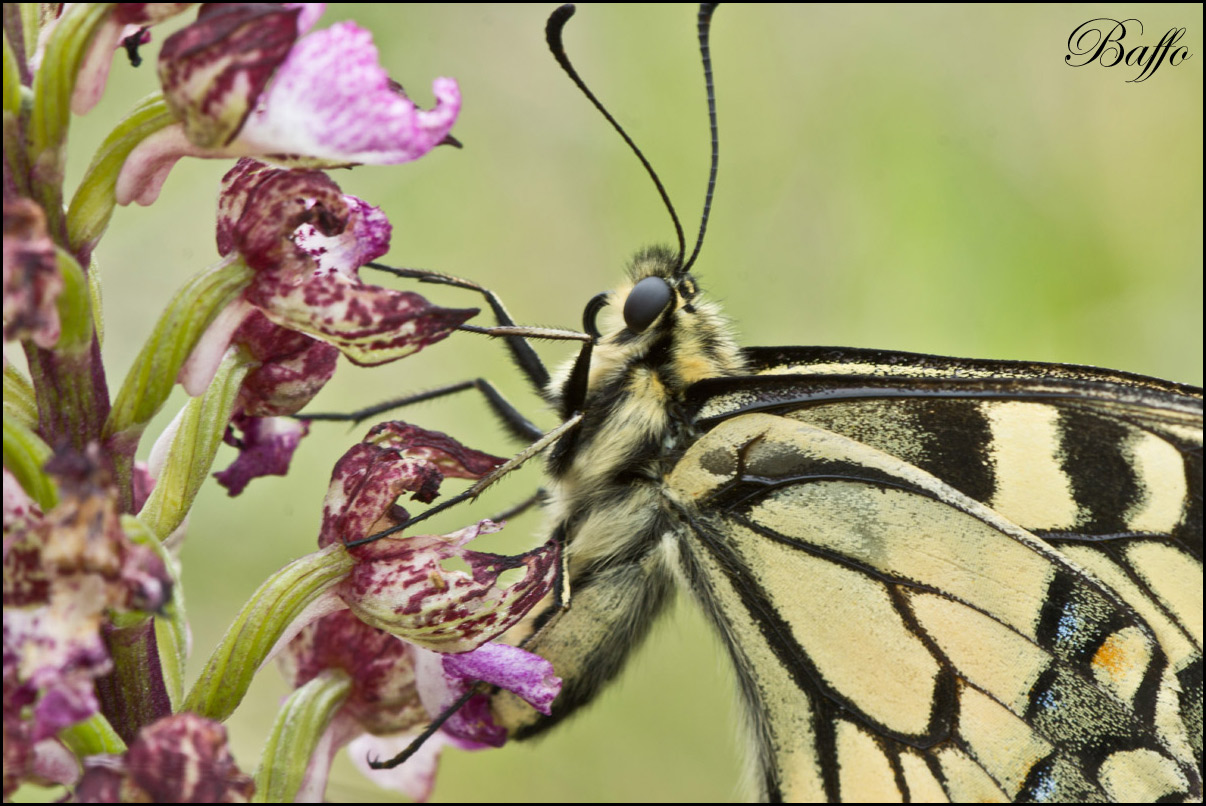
<point>953,580</point>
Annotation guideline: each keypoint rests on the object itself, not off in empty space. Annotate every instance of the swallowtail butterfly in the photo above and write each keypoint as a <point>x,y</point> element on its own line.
<point>939,576</point>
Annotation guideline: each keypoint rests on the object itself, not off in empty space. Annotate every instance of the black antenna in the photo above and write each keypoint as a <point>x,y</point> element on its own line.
<point>704,23</point>
<point>552,35</point>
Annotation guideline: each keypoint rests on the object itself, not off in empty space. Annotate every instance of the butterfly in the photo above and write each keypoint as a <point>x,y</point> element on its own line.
<point>772,364</point>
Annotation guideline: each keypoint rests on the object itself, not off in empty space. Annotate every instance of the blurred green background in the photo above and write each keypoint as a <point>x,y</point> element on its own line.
<point>926,179</point>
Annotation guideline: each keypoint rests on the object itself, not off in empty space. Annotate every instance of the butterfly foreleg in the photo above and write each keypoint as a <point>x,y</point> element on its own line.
<point>512,419</point>
<point>521,351</point>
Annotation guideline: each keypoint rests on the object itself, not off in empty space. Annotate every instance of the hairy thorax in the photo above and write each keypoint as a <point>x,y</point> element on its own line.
<point>607,472</point>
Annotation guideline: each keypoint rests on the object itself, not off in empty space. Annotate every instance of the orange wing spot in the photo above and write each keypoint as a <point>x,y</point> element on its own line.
<point>1112,657</point>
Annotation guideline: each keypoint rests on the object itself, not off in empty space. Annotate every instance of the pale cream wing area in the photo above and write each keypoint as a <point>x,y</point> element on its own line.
<point>897,640</point>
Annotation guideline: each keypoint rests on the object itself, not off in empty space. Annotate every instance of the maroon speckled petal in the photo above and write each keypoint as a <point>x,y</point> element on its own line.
<point>451,457</point>
<point>402,586</point>
<point>383,698</point>
<point>260,208</point>
<point>214,71</point>
<point>369,324</point>
<point>265,449</point>
<point>292,368</point>
<point>364,485</point>
<point>184,758</point>
<point>394,458</point>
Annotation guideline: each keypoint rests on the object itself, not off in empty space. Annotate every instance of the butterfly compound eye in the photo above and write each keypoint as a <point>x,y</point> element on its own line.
<point>646,300</point>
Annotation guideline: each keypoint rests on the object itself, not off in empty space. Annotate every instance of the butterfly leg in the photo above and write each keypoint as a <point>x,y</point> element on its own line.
<point>515,423</point>
<point>521,351</point>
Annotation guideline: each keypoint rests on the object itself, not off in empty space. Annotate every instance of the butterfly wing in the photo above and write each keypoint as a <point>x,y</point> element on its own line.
<point>945,580</point>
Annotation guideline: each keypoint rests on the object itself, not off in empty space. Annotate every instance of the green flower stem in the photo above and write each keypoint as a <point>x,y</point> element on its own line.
<point>299,726</point>
<point>14,144</point>
<point>263,621</point>
<point>94,200</point>
<point>24,456</point>
<point>198,432</point>
<point>50,115</point>
<point>147,652</point>
<point>177,332</point>
<point>72,396</point>
<point>92,737</point>
<point>171,625</point>
<point>134,694</point>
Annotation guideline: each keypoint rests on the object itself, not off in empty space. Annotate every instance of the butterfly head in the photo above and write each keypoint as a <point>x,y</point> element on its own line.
<point>657,328</point>
<point>657,288</point>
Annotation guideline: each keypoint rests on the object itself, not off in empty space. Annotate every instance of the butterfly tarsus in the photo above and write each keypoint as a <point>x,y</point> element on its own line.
<point>427,733</point>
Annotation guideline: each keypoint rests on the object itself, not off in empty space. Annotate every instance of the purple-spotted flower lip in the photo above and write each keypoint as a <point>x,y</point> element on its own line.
<point>365,119</point>
<point>402,601</point>
<point>265,449</point>
<point>242,83</point>
<point>393,458</point>
<point>402,584</point>
<point>306,242</point>
<point>305,304</point>
<point>441,680</point>
<point>397,688</point>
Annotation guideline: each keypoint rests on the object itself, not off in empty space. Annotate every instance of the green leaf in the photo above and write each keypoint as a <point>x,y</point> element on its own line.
<point>197,432</point>
<point>74,306</point>
<point>264,620</point>
<point>92,737</point>
<point>177,332</point>
<point>12,82</point>
<point>19,400</point>
<point>94,200</point>
<point>24,456</point>
<point>50,114</point>
<point>295,735</point>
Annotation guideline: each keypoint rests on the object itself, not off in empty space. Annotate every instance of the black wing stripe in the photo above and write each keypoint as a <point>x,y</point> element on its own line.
<point>1106,495</point>
<point>778,634</point>
<point>1191,696</point>
<point>920,365</point>
<point>716,399</point>
<point>948,438</point>
<point>955,435</point>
